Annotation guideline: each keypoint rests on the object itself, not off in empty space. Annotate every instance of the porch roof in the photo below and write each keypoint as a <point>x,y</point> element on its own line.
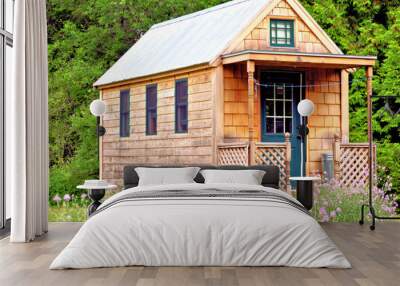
<point>297,59</point>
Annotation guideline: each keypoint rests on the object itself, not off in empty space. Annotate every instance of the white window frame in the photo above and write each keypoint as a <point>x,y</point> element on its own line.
<point>6,39</point>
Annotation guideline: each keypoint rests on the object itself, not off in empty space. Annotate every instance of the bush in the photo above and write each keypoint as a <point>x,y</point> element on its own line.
<point>388,171</point>
<point>334,203</point>
<point>83,165</point>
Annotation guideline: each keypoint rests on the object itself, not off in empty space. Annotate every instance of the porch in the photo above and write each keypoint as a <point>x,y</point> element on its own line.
<point>261,122</point>
<point>350,159</point>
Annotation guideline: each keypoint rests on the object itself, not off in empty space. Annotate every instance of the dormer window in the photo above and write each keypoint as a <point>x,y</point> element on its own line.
<point>281,33</point>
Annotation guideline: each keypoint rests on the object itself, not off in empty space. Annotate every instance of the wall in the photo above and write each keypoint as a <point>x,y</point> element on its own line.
<point>326,119</point>
<point>167,147</point>
<point>235,103</point>
<point>305,39</point>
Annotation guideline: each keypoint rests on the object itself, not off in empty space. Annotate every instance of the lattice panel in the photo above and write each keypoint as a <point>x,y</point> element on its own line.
<point>276,156</point>
<point>354,164</point>
<point>233,155</point>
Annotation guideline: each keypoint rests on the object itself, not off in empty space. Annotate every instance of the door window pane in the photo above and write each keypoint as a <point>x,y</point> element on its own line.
<point>288,125</point>
<point>279,125</point>
<point>278,109</point>
<point>269,125</point>
<point>288,108</point>
<point>269,108</point>
<point>280,90</point>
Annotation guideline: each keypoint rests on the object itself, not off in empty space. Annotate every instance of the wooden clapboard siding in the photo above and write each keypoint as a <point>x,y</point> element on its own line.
<point>167,147</point>
<point>259,37</point>
<point>325,122</point>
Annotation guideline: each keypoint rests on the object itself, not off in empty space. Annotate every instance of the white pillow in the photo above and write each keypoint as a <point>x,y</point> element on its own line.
<point>248,177</point>
<point>166,176</point>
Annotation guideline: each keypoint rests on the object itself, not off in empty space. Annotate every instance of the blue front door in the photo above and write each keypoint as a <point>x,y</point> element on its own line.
<point>280,94</point>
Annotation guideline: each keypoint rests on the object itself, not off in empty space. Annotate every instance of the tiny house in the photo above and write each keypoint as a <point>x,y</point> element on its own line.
<point>221,86</point>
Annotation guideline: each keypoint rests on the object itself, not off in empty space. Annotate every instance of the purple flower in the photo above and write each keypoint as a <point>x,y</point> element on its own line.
<point>57,199</point>
<point>325,218</point>
<point>67,197</point>
<point>322,211</point>
<point>332,214</point>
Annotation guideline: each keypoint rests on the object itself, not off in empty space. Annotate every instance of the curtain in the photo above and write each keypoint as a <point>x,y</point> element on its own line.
<point>28,123</point>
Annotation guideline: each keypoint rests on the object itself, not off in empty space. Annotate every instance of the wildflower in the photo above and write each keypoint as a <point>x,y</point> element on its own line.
<point>332,214</point>
<point>67,197</point>
<point>83,196</point>
<point>338,210</point>
<point>322,211</point>
<point>325,218</point>
<point>57,199</point>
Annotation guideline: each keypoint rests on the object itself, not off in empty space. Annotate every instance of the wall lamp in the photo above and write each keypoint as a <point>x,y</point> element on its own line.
<point>98,108</point>
<point>305,109</point>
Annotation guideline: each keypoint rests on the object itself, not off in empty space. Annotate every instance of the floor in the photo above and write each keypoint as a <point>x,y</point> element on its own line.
<point>375,257</point>
<point>5,231</point>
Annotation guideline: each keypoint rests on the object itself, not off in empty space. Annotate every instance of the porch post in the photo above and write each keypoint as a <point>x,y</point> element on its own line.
<point>369,106</point>
<point>287,162</point>
<point>336,156</point>
<point>250,100</point>
<point>344,104</point>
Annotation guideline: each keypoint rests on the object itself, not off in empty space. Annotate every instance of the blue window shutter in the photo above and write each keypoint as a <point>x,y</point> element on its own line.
<point>124,113</point>
<point>181,106</point>
<point>151,109</point>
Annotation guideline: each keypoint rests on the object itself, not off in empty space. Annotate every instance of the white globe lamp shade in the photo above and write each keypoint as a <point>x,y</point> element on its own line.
<point>97,107</point>
<point>305,107</point>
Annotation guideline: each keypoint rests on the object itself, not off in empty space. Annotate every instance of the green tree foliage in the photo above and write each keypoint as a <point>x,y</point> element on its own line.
<point>87,37</point>
<point>370,27</point>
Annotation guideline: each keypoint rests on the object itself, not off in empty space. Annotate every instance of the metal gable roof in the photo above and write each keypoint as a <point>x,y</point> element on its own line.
<point>189,40</point>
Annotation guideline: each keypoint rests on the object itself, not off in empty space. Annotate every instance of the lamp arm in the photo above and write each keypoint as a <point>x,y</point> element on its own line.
<point>100,130</point>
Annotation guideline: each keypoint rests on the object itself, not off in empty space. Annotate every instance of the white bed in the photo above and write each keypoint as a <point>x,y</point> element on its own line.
<point>185,230</point>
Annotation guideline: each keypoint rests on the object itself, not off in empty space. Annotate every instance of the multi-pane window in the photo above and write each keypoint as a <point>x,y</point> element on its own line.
<point>181,106</point>
<point>124,113</point>
<point>6,71</point>
<point>278,109</point>
<point>151,109</point>
<point>281,33</point>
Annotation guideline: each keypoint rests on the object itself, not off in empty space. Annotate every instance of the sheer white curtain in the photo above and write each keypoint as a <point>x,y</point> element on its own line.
<point>28,123</point>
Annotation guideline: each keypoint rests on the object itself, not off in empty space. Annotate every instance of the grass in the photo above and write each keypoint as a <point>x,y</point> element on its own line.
<point>68,209</point>
<point>70,214</point>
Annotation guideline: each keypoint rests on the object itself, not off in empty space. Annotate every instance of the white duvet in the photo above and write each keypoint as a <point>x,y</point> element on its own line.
<point>200,231</point>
